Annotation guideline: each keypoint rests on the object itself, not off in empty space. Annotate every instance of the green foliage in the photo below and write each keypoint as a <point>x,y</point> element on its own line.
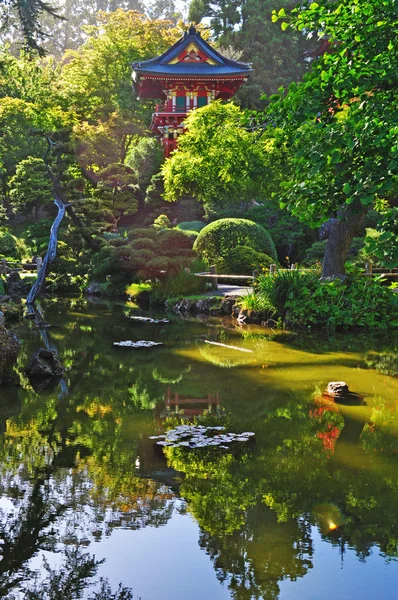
<point>145,159</point>
<point>242,260</point>
<point>162,222</point>
<point>31,186</point>
<point>218,161</point>
<point>340,122</point>
<point>191,225</point>
<point>305,301</point>
<point>216,239</point>
<point>382,242</point>
<point>8,244</point>
<point>284,285</point>
<point>315,253</point>
<point>179,284</point>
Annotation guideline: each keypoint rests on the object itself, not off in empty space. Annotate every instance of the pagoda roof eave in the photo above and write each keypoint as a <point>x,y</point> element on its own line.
<point>165,60</point>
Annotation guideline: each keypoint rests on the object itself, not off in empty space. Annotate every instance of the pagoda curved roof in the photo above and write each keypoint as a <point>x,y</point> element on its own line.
<point>212,63</point>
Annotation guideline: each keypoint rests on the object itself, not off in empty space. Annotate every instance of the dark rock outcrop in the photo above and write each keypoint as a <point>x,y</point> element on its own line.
<point>44,365</point>
<point>16,287</point>
<point>9,348</point>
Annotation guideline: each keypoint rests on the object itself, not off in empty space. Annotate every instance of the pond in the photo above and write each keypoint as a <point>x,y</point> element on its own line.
<point>308,510</point>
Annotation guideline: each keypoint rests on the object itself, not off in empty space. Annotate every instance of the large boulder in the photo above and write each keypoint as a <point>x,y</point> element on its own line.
<point>9,348</point>
<point>16,286</point>
<point>44,365</point>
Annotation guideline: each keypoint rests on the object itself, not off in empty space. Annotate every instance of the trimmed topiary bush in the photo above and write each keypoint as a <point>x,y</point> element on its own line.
<point>191,226</point>
<point>217,239</point>
<point>242,260</point>
<point>173,239</point>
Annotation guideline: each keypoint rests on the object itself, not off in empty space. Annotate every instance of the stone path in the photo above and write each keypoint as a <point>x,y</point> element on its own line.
<point>230,290</point>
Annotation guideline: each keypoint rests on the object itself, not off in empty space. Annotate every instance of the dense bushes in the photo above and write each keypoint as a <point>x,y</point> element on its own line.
<point>303,300</point>
<point>217,239</point>
<point>242,260</point>
<point>145,254</point>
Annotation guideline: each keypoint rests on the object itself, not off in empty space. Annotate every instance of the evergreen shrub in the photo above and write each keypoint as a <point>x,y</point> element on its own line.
<point>217,239</point>
<point>242,260</point>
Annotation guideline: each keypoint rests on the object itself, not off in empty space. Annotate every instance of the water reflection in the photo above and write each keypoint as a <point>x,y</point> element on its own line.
<point>74,469</point>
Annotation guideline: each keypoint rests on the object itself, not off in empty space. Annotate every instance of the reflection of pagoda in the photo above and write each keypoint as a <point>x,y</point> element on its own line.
<point>188,75</point>
<point>186,408</point>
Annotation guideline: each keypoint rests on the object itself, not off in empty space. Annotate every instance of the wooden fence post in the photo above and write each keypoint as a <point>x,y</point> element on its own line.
<point>3,266</point>
<point>255,274</point>
<point>272,269</point>
<point>368,268</point>
<point>214,280</point>
<point>39,263</point>
<point>293,267</point>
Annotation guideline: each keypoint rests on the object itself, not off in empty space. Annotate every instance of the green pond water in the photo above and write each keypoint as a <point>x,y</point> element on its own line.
<point>309,510</point>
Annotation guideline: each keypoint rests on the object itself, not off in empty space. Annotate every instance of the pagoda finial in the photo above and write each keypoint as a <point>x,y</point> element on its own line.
<point>192,29</point>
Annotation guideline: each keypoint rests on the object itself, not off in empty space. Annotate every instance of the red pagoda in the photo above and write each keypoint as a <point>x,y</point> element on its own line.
<point>188,75</point>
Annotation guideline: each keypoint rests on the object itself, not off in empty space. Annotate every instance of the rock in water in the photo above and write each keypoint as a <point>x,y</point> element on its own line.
<point>44,364</point>
<point>9,348</point>
<point>337,389</point>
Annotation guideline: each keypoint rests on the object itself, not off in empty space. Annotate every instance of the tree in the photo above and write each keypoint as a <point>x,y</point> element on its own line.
<point>223,14</point>
<point>27,15</point>
<point>340,122</point>
<point>278,57</point>
<point>219,162</point>
<point>96,79</point>
<point>30,187</point>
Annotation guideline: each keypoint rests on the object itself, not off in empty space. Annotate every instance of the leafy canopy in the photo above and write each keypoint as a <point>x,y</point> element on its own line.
<point>340,121</point>
<point>218,161</point>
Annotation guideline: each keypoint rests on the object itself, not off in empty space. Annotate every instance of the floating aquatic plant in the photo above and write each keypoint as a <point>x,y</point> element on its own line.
<point>199,436</point>
<point>139,344</point>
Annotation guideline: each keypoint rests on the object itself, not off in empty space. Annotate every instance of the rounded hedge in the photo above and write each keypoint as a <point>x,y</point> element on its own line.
<point>242,260</point>
<point>8,244</point>
<point>217,239</point>
<point>191,225</point>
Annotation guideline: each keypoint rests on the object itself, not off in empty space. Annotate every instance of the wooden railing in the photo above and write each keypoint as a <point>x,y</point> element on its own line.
<point>213,276</point>
<point>7,266</point>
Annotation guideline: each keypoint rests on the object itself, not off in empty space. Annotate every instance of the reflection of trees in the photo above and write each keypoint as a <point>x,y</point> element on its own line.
<point>256,507</point>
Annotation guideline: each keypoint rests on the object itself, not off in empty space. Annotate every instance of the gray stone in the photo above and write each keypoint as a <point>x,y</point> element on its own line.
<point>2,318</point>
<point>337,389</point>
<point>93,289</point>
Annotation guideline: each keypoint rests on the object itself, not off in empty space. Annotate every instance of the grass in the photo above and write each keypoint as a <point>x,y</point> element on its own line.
<point>135,289</point>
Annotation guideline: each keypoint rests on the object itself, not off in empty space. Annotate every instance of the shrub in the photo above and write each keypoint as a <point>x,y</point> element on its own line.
<point>174,239</point>
<point>162,222</point>
<point>242,260</point>
<point>178,284</point>
<point>139,233</point>
<point>277,289</point>
<point>315,253</point>
<point>337,304</point>
<point>191,226</point>
<point>216,239</point>
<point>8,244</point>
<point>143,244</point>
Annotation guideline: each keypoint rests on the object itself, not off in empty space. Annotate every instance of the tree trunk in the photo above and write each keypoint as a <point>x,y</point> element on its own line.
<point>50,254</point>
<point>339,241</point>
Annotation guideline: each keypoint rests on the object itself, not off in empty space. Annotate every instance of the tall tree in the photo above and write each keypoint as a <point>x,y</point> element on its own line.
<point>224,15</point>
<point>341,121</point>
<point>25,15</point>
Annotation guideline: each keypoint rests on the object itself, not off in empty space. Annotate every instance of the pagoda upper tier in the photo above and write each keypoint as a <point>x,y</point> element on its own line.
<point>188,75</point>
